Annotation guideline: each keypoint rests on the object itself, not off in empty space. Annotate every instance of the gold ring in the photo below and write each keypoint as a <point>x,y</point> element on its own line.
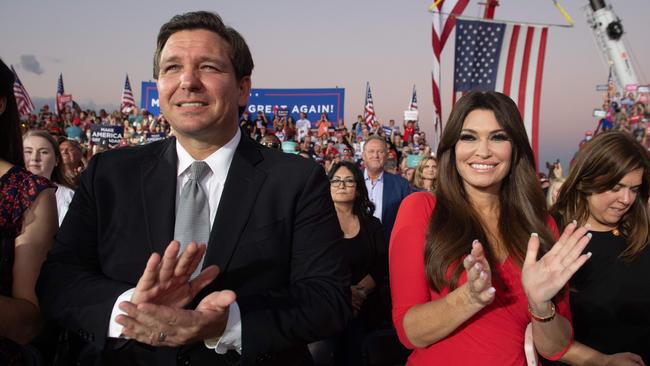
<point>161,337</point>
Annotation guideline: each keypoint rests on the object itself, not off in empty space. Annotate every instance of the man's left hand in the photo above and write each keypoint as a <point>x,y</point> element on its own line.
<point>160,325</point>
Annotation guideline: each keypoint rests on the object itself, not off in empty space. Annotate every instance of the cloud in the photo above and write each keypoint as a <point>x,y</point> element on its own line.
<point>30,63</point>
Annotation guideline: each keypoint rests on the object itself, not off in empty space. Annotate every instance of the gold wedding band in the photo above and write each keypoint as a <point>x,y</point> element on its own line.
<point>161,337</point>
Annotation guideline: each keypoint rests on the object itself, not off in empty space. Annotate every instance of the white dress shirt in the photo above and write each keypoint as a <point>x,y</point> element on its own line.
<point>375,192</point>
<point>212,183</point>
<point>63,198</point>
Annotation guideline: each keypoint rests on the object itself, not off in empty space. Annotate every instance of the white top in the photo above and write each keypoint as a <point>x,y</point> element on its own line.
<point>303,126</point>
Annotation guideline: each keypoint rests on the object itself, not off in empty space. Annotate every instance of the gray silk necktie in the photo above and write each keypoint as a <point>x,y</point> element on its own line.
<point>193,217</point>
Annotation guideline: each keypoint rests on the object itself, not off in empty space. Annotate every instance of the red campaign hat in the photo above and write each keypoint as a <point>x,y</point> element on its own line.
<point>76,122</point>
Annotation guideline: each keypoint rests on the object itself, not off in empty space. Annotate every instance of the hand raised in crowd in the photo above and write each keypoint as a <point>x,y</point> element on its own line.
<point>555,170</point>
<point>479,276</point>
<point>167,281</point>
<point>542,279</point>
<point>160,325</point>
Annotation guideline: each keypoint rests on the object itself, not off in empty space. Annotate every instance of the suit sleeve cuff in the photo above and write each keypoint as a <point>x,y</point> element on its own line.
<point>115,329</point>
<point>231,337</point>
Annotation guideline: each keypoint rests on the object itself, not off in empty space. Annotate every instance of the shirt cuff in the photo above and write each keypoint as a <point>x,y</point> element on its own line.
<point>115,329</point>
<point>231,337</point>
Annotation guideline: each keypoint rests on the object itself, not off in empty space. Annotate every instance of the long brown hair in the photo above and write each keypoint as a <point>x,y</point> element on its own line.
<point>599,167</point>
<point>455,223</point>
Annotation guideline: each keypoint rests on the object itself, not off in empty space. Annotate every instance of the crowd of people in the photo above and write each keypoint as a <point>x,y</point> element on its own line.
<point>628,112</point>
<point>324,141</point>
<point>215,245</point>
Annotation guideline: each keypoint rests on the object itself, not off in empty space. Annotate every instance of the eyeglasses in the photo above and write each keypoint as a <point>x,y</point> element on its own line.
<point>336,182</point>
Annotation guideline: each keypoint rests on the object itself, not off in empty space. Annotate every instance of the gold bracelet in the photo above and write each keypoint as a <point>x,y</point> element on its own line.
<point>540,318</point>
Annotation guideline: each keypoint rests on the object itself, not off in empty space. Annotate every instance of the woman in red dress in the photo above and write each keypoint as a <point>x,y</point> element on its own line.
<point>471,266</point>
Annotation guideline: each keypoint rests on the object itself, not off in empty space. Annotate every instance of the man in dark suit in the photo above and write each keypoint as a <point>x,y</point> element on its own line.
<point>385,190</point>
<point>273,277</point>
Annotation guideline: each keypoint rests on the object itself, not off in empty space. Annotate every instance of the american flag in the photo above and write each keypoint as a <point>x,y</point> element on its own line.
<point>508,58</point>
<point>441,28</point>
<point>127,96</point>
<point>369,107</point>
<point>413,105</point>
<point>58,106</point>
<point>24,102</point>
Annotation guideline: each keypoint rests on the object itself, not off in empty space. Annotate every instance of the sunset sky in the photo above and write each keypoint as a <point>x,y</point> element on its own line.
<point>309,44</point>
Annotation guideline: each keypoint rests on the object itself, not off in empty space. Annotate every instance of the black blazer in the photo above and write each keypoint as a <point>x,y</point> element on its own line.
<point>275,237</point>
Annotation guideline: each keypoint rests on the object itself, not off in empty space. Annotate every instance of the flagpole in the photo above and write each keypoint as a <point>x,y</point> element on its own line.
<point>464,17</point>
<point>490,6</point>
<point>437,122</point>
<point>365,96</point>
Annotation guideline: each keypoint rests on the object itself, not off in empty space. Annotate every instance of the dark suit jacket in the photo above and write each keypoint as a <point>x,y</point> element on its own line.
<point>276,239</point>
<point>396,189</point>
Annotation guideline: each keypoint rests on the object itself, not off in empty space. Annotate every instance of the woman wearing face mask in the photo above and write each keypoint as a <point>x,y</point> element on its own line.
<point>610,295</point>
<point>27,227</point>
<point>473,265</point>
<point>43,157</point>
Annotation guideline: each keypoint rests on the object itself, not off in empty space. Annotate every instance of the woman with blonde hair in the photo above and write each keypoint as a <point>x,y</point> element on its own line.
<point>607,188</point>
<point>425,174</point>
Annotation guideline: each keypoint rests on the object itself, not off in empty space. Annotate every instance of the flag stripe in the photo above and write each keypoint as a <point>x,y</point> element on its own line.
<point>529,90</point>
<point>503,62</point>
<point>413,104</point>
<point>369,107</point>
<point>60,90</point>
<point>538,90</point>
<point>512,51</point>
<point>23,101</point>
<point>442,26</point>
<point>127,96</point>
<point>524,72</point>
<point>456,9</point>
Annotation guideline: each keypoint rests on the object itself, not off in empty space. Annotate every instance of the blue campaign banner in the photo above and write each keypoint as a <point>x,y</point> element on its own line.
<point>149,98</point>
<point>311,101</point>
<point>106,134</point>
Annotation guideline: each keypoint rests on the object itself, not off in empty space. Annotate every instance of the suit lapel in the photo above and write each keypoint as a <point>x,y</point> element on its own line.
<point>158,184</point>
<point>242,185</point>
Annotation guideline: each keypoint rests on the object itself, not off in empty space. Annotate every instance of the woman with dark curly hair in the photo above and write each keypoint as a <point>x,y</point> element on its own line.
<point>473,265</point>
<point>365,253</point>
<point>607,188</point>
